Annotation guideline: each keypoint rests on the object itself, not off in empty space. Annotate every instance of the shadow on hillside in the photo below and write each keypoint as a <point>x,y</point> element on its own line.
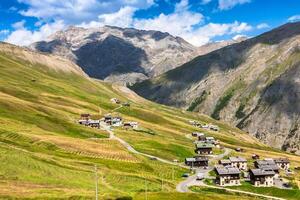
<point>113,55</point>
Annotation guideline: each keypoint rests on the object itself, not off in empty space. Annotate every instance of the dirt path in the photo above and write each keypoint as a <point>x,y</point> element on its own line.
<point>131,149</point>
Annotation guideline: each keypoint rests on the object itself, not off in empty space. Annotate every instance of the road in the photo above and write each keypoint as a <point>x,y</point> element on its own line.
<point>192,180</point>
<point>131,149</point>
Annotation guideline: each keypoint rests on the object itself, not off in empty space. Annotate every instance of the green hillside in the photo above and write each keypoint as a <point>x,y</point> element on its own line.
<point>45,154</point>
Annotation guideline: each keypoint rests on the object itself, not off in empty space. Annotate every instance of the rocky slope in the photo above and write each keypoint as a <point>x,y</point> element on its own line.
<point>118,54</point>
<point>252,84</point>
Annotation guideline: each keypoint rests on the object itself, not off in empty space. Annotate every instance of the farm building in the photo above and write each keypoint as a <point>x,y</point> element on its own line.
<point>83,122</point>
<point>197,161</point>
<point>225,162</point>
<point>267,164</point>
<point>238,162</point>
<point>116,121</point>
<point>203,148</point>
<point>85,116</point>
<point>201,137</point>
<point>227,176</point>
<point>262,177</point>
<point>115,100</point>
<point>197,134</point>
<point>94,123</point>
<point>131,125</point>
<point>282,163</point>
<point>210,140</point>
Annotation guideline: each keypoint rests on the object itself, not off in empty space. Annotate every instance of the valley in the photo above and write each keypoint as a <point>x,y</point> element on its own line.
<point>252,85</point>
<point>46,154</point>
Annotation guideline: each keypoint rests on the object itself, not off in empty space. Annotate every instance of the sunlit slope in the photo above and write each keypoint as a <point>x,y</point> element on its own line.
<point>44,153</point>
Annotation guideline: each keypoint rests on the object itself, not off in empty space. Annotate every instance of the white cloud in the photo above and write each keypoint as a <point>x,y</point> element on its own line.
<point>19,25</point>
<point>23,36</point>
<point>205,33</point>
<point>294,18</point>
<point>77,11</point>
<point>121,18</point>
<point>239,37</point>
<point>4,32</point>
<point>95,13</point>
<point>263,26</point>
<point>228,4</point>
<point>177,23</point>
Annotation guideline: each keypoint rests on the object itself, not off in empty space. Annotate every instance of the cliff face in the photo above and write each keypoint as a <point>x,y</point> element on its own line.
<point>117,54</point>
<point>252,84</point>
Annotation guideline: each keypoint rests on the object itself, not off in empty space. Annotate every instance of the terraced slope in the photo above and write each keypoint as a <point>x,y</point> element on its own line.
<point>45,154</point>
<point>252,84</point>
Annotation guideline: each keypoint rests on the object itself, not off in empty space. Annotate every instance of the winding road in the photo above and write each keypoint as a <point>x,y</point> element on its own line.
<point>192,180</point>
<point>131,149</point>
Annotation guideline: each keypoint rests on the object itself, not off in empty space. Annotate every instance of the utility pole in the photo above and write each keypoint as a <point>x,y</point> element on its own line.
<point>146,195</point>
<point>96,184</point>
<point>162,184</point>
<point>173,172</point>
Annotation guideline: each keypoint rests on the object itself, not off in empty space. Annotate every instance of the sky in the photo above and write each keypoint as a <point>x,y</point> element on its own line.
<point>197,21</point>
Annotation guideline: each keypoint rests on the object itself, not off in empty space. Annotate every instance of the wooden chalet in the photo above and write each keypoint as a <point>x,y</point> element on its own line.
<point>238,162</point>
<point>197,161</point>
<point>262,177</point>
<point>225,162</point>
<point>85,116</point>
<point>282,163</point>
<point>227,176</point>
<point>203,148</point>
<point>267,164</point>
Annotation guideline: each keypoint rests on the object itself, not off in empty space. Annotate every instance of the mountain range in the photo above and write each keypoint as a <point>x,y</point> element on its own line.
<point>253,84</point>
<point>124,55</point>
<point>46,154</point>
<point>119,54</point>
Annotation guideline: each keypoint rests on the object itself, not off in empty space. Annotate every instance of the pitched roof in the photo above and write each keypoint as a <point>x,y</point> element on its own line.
<point>237,159</point>
<point>225,161</point>
<point>190,159</point>
<point>227,170</point>
<point>267,164</point>
<point>262,172</point>
<point>281,160</point>
<point>200,145</point>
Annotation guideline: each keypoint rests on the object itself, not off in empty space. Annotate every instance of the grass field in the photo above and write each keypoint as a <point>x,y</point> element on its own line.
<point>45,154</point>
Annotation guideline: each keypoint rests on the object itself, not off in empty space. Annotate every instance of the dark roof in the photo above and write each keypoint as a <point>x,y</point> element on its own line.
<point>237,159</point>
<point>201,158</point>
<point>197,158</point>
<point>262,172</point>
<point>227,170</point>
<point>190,159</point>
<point>267,164</point>
<point>202,145</point>
<point>281,160</point>
<point>225,161</point>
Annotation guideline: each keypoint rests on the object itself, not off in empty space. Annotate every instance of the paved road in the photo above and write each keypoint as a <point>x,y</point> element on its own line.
<point>131,149</point>
<point>190,181</point>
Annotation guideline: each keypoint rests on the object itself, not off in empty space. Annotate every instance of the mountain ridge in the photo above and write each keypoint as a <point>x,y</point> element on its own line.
<point>149,53</point>
<point>228,84</point>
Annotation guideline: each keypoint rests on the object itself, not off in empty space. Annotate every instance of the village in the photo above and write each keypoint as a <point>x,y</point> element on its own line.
<point>210,165</point>
<point>110,120</point>
<point>233,170</point>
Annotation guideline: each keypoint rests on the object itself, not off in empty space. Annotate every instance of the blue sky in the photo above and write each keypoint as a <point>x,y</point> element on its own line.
<point>197,21</point>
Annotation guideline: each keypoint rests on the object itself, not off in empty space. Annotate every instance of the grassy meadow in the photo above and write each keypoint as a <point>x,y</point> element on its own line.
<point>45,154</point>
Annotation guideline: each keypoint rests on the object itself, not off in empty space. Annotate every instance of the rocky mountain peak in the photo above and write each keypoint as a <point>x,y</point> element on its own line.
<point>108,52</point>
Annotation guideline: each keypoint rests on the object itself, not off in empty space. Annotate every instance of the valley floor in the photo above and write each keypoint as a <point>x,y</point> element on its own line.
<point>46,154</point>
